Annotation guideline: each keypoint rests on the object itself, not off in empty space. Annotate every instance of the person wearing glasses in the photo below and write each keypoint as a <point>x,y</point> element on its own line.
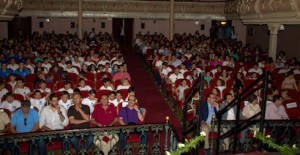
<point>209,109</point>
<point>131,115</point>
<point>24,120</point>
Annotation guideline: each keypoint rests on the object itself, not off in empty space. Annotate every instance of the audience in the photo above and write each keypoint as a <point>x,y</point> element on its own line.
<point>221,61</point>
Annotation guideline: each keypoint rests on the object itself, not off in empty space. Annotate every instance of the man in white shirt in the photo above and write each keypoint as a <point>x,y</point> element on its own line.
<point>10,103</point>
<point>3,90</point>
<point>67,87</point>
<point>71,69</point>
<point>107,85</point>
<point>46,64</point>
<point>255,69</point>
<point>53,117</point>
<point>91,100</point>
<point>65,101</point>
<point>230,115</point>
<point>12,64</point>
<point>82,86</point>
<point>38,101</point>
<point>21,88</point>
<point>176,75</point>
<point>63,64</point>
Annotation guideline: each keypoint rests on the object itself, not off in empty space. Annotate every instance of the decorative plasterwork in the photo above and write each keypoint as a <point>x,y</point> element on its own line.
<point>127,8</point>
<point>272,4</point>
<point>273,28</point>
<point>295,7</point>
<point>92,14</point>
<point>11,5</point>
<point>10,8</point>
<point>243,6</point>
<point>269,11</point>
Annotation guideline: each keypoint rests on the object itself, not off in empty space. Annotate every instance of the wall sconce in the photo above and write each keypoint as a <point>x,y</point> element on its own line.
<point>223,23</point>
<point>197,22</point>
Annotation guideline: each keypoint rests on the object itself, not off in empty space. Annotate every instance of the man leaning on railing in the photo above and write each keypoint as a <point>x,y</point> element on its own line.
<point>104,115</point>
<point>24,120</point>
<point>79,117</point>
<point>53,117</point>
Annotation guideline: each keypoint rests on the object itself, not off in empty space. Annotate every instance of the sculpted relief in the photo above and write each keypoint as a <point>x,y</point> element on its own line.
<point>7,4</point>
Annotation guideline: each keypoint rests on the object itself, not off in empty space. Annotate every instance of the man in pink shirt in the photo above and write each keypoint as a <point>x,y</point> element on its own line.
<point>121,74</point>
<point>276,111</point>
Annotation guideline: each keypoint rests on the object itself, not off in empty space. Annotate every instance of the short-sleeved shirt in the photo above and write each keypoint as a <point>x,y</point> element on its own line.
<point>76,114</point>
<point>23,91</point>
<point>11,106</point>
<point>129,115</point>
<point>4,120</point>
<point>104,117</point>
<point>23,126</point>
<point>91,103</point>
<point>39,103</point>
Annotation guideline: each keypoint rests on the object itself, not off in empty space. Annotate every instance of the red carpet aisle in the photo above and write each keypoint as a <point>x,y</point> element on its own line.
<point>147,93</point>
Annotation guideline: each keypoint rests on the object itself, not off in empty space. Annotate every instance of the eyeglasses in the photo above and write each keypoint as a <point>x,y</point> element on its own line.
<point>130,100</point>
<point>25,121</point>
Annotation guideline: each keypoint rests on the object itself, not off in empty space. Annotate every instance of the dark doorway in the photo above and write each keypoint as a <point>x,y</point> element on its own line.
<point>126,38</point>
<point>20,26</point>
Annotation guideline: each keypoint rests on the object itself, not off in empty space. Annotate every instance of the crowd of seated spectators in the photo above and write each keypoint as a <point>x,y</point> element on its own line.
<point>228,67</point>
<point>56,75</point>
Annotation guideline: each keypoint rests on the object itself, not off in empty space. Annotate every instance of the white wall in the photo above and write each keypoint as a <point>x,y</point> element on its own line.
<point>3,30</point>
<point>240,30</point>
<point>162,26</point>
<point>61,25</point>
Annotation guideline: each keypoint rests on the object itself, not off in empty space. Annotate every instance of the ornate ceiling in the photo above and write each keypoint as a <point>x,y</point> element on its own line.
<point>249,11</point>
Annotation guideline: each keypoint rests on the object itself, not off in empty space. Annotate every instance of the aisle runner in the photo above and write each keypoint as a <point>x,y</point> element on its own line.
<point>147,93</point>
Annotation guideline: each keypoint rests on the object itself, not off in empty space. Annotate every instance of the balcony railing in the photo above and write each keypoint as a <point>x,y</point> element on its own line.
<point>140,139</point>
<point>281,131</point>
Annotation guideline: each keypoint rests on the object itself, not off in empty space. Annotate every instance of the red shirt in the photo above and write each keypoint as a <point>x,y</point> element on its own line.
<point>104,117</point>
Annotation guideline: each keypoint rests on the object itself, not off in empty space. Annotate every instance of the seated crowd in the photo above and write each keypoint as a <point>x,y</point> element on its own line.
<point>54,82</point>
<point>228,68</point>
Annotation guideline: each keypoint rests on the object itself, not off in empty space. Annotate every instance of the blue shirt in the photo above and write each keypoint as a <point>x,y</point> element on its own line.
<point>18,120</point>
<point>6,73</point>
<point>22,73</point>
<point>211,112</point>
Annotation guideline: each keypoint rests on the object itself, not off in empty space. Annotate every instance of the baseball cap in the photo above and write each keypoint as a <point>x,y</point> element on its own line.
<point>25,104</point>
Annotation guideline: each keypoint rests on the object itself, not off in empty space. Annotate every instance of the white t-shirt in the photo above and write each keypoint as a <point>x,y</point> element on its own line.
<point>11,106</point>
<point>173,77</point>
<point>47,90</point>
<point>13,67</point>
<point>90,103</point>
<point>66,105</point>
<point>166,71</point>
<point>48,66</point>
<point>23,91</point>
<point>39,103</point>
<point>72,70</point>
<point>115,102</point>
<point>107,88</point>
<point>258,71</point>
<point>2,93</point>
<point>87,88</point>
<point>70,91</point>
<point>122,87</point>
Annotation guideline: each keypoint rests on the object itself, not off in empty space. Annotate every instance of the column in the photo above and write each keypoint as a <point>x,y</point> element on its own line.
<point>171,20</point>
<point>273,28</point>
<point>80,19</point>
